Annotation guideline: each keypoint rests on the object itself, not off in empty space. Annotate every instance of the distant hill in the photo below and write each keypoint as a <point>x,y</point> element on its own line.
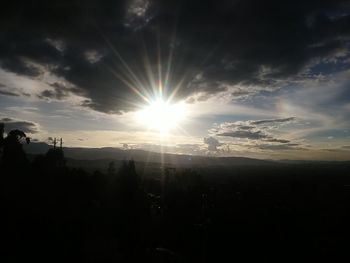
<point>152,163</point>
<point>109,153</point>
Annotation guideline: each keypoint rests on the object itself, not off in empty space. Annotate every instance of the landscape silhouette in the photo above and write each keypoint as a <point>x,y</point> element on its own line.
<point>174,131</point>
<point>52,212</point>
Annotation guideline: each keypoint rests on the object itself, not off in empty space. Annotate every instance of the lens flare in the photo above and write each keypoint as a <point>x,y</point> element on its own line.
<point>161,115</point>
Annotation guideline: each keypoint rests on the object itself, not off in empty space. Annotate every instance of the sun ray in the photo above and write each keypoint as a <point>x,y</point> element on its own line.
<point>132,74</point>
<point>128,84</point>
<point>148,69</point>
<point>159,65</point>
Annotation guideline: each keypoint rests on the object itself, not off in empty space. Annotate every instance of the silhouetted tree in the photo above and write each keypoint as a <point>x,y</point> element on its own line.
<point>1,138</point>
<point>111,168</point>
<point>129,180</point>
<point>55,157</point>
<point>13,154</point>
<point>2,126</point>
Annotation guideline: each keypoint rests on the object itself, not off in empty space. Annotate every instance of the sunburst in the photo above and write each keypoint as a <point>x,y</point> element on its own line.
<point>162,116</point>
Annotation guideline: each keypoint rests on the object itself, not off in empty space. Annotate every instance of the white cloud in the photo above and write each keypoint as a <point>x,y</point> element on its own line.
<point>93,56</point>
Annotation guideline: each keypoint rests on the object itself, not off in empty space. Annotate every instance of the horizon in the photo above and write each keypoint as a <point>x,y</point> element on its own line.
<point>243,79</point>
<point>162,151</point>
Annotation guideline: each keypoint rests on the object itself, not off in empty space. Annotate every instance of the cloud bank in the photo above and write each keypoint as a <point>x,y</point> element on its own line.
<point>25,126</point>
<point>114,53</point>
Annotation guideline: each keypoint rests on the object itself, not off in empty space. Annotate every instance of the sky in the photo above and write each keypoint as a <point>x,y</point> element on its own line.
<point>261,79</point>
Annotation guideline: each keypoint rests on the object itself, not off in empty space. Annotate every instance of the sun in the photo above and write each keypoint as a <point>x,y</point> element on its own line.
<point>162,116</point>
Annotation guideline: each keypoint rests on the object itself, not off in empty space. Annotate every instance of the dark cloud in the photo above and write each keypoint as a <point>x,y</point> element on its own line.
<point>107,49</point>
<point>289,146</point>
<point>246,127</point>
<point>8,93</point>
<point>252,130</point>
<point>53,94</point>
<point>273,121</point>
<point>252,135</point>
<point>277,140</point>
<point>20,67</point>
<point>241,93</point>
<point>25,126</point>
<point>59,91</point>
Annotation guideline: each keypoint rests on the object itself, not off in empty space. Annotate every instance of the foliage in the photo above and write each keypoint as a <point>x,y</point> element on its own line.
<point>55,213</point>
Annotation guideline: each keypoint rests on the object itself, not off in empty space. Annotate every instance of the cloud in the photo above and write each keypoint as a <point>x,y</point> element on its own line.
<point>59,91</point>
<point>8,93</point>
<point>273,121</point>
<point>252,135</point>
<point>25,126</point>
<point>212,143</point>
<point>255,130</point>
<point>4,90</point>
<point>137,14</point>
<point>110,49</point>
<point>289,146</point>
<point>277,140</point>
<point>238,93</point>
<point>53,94</point>
<point>93,56</point>
<point>20,66</point>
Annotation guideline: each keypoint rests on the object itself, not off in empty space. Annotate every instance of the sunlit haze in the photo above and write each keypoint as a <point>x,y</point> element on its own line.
<point>162,116</point>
